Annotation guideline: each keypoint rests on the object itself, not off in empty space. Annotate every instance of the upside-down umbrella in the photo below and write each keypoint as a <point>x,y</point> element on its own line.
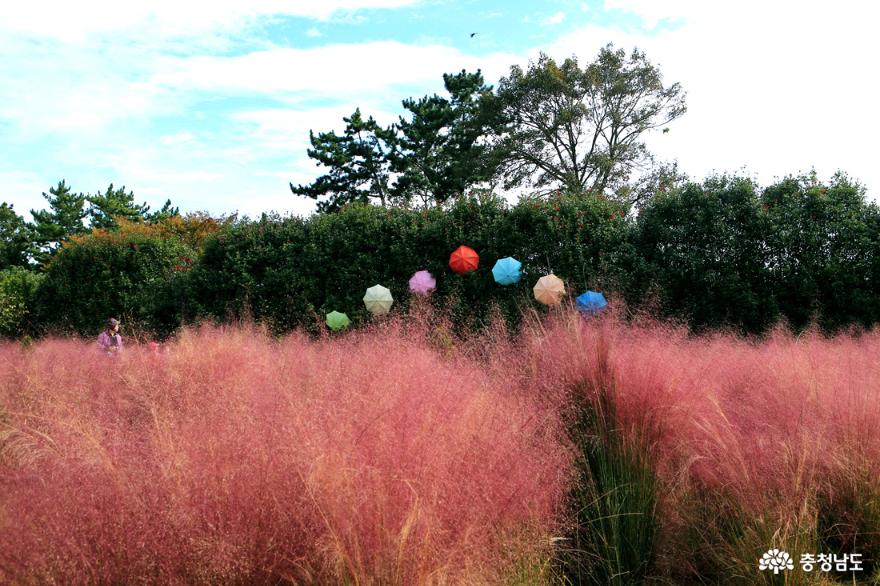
<point>422,282</point>
<point>591,302</point>
<point>378,299</point>
<point>464,260</point>
<point>549,289</point>
<point>337,321</point>
<point>507,271</point>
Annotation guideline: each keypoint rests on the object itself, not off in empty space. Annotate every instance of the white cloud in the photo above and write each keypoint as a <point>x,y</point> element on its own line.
<point>776,88</point>
<point>652,12</point>
<point>23,189</point>
<point>176,138</point>
<point>553,19</point>
<point>99,126</point>
<point>76,21</point>
<point>327,71</point>
<point>773,87</point>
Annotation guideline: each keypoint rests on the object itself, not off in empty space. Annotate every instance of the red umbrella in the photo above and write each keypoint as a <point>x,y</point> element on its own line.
<point>464,260</point>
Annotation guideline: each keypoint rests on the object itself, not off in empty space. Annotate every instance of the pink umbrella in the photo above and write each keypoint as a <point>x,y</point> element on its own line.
<point>422,283</point>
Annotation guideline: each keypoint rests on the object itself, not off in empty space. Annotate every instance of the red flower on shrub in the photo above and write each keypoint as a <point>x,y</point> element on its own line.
<point>184,263</point>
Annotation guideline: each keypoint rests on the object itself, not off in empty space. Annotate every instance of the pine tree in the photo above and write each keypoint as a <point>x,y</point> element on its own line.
<point>16,239</point>
<point>165,212</point>
<point>434,154</point>
<point>358,162</point>
<point>105,207</point>
<point>63,219</point>
<point>440,153</point>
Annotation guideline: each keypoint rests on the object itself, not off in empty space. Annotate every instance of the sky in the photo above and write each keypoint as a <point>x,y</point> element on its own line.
<point>211,105</point>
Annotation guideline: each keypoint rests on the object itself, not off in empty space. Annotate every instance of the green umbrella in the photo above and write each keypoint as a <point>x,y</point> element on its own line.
<point>337,321</point>
<point>378,299</point>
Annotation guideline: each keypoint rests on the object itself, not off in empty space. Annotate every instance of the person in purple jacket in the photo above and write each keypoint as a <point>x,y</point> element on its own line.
<point>110,341</point>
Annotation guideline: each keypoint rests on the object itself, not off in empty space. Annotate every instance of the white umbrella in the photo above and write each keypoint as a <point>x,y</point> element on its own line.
<point>378,299</point>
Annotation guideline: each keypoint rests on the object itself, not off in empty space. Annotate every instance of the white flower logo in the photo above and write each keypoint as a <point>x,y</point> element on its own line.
<point>776,560</point>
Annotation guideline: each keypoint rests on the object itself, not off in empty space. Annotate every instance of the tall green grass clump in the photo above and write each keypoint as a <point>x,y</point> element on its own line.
<point>613,498</point>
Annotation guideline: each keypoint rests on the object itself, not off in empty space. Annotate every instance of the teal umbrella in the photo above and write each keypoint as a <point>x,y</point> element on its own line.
<point>507,271</point>
<point>337,321</point>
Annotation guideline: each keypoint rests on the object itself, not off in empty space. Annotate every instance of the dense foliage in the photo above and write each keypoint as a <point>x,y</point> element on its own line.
<point>16,239</point>
<point>719,254</point>
<point>723,253</point>
<point>130,275</point>
<point>551,126</point>
<point>709,261</point>
<point>290,272</point>
<point>824,251</point>
<point>17,289</point>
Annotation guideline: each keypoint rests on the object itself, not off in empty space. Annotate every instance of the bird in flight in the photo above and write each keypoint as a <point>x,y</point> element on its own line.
<point>472,35</point>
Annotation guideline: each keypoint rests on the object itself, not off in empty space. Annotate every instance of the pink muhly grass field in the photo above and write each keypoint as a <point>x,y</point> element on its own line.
<point>782,434</point>
<point>232,457</point>
<point>404,455</point>
<point>740,413</point>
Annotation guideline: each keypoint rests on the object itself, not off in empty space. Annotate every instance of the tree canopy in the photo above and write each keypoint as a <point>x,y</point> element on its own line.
<point>358,163</point>
<point>106,208</point>
<point>64,218</point>
<point>17,244</point>
<point>553,126</point>
<point>581,129</point>
<point>435,152</point>
<point>69,214</point>
<point>439,149</point>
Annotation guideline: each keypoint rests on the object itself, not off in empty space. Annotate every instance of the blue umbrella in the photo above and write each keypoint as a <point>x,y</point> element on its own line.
<point>507,271</point>
<point>591,302</point>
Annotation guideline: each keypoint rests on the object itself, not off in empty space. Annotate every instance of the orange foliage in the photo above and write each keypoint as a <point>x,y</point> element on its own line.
<point>193,229</point>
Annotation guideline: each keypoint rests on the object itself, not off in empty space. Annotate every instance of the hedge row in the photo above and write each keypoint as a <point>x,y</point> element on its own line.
<point>137,277</point>
<point>718,254</point>
<point>290,272</point>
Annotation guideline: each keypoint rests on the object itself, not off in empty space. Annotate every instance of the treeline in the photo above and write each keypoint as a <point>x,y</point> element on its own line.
<point>596,208</point>
<point>68,214</point>
<point>89,235</point>
<point>723,253</point>
<point>555,125</point>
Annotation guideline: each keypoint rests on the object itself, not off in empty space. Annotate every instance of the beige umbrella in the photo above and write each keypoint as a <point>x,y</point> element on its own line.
<point>378,299</point>
<point>549,289</point>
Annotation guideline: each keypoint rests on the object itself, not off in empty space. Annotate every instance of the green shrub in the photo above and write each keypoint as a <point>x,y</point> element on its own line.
<point>717,254</point>
<point>17,288</point>
<point>290,272</point>
<point>822,242</point>
<point>705,246</point>
<point>127,275</point>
